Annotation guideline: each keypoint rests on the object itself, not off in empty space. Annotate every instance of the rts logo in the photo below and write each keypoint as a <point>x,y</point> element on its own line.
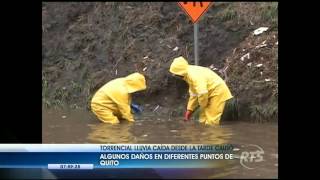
<point>251,157</point>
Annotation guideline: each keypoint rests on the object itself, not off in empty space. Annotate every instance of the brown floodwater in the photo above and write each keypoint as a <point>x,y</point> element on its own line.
<point>81,126</point>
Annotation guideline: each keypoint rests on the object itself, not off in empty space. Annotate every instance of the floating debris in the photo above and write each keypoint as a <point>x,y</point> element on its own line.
<point>64,88</point>
<point>212,67</point>
<point>260,30</point>
<point>236,149</point>
<point>245,56</point>
<point>249,64</point>
<point>176,48</point>
<point>267,80</point>
<point>145,57</point>
<point>145,135</point>
<point>116,71</point>
<point>277,43</point>
<point>259,65</point>
<point>236,156</point>
<point>156,108</point>
<point>173,130</point>
<point>144,69</point>
<point>63,117</point>
<point>261,73</point>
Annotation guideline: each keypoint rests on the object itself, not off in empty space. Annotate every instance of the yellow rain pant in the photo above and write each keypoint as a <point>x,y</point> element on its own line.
<point>104,114</point>
<point>211,115</point>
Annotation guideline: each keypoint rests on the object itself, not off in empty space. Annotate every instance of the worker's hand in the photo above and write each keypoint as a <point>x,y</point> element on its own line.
<point>136,108</point>
<point>187,115</point>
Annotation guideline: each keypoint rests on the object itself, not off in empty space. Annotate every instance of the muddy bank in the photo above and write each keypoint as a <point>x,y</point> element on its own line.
<point>85,45</point>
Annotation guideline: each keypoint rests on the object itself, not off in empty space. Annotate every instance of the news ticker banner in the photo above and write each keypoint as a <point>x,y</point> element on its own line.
<point>95,156</point>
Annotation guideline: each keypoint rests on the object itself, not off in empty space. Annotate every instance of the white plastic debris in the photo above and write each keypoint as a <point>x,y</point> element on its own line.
<point>243,50</point>
<point>260,30</point>
<point>234,50</point>
<point>176,48</point>
<point>261,45</point>
<point>144,69</point>
<point>245,56</point>
<point>267,80</point>
<point>145,135</point>
<point>236,149</point>
<point>173,130</point>
<point>249,64</point>
<point>63,117</point>
<point>261,73</point>
<point>116,71</point>
<point>259,65</point>
<point>145,57</point>
<point>212,67</point>
<point>64,88</point>
<point>156,108</point>
<point>236,156</point>
<point>277,43</point>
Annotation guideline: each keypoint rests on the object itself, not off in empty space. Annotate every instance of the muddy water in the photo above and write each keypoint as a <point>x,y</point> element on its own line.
<point>78,126</point>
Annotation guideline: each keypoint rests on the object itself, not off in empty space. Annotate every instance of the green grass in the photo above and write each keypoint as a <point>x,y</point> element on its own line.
<point>265,112</point>
<point>269,13</point>
<point>229,14</point>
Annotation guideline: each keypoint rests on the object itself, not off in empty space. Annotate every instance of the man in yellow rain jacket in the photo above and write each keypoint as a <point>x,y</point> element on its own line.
<point>112,101</point>
<point>206,89</point>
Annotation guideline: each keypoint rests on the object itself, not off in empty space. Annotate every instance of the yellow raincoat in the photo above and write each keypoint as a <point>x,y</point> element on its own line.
<point>206,89</point>
<point>112,101</point>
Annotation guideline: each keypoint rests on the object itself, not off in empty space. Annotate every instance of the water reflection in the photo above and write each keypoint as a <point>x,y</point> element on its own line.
<point>114,134</point>
<point>159,131</point>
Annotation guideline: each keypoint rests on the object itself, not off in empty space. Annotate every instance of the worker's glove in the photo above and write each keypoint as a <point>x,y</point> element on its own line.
<point>136,108</point>
<point>187,115</point>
